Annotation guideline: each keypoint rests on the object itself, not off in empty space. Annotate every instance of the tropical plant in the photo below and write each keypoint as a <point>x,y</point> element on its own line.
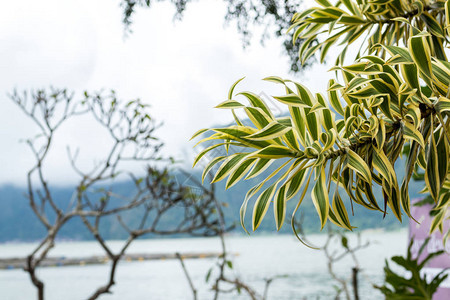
<point>395,96</point>
<point>418,286</point>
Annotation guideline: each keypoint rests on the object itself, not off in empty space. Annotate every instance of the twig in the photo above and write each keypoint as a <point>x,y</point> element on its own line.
<point>186,273</point>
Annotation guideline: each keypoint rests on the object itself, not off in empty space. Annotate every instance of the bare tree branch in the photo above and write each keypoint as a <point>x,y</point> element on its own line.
<point>186,273</point>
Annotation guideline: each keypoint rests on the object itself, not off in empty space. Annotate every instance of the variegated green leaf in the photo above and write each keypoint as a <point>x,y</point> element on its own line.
<point>340,211</point>
<point>356,163</point>
<point>432,169</point>
<point>210,165</point>
<point>228,166</point>
<point>279,207</point>
<point>204,151</point>
<point>381,163</point>
<point>262,205</point>
<point>420,53</point>
<point>260,166</point>
<point>199,132</point>
<point>230,104</point>
<point>239,172</point>
<point>271,131</point>
<point>291,99</point>
<point>258,117</point>
<point>447,16</point>
<point>230,92</point>
<point>437,220</point>
<point>411,133</point>
<point>443,105</point>
<point>256,101</point>
<point>319,196</point>
<point>295,183</point>
<point>273,152</point>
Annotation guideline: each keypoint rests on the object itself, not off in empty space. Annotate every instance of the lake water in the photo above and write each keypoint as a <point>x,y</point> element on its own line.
<point>259,257</point>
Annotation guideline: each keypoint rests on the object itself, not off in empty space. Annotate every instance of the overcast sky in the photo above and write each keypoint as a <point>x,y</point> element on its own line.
<point>182,69</point>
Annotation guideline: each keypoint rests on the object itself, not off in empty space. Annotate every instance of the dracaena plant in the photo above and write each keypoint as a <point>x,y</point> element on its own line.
<point>394,96</point>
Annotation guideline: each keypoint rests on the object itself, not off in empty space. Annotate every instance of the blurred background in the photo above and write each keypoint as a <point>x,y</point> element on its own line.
<point>181,66</point>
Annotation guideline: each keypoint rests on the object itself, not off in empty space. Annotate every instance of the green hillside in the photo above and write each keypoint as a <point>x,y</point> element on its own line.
<point>18,223</point>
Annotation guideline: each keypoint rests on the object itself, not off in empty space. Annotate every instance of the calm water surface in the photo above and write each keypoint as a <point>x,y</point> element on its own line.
<point>259,257</point>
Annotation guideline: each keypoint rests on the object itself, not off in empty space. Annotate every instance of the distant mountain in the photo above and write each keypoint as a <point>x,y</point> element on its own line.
<point>18,223</point>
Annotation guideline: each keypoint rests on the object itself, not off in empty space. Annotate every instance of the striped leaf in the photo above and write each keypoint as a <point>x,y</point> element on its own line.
<point>381,163</point>
<point>275,79</point>
<point>399,51</point>
<point>319,196</point>
<point>351,20</point>
<point>271,131</point>
<point>239,172</point>
<point>291,140</point>
<point>432,169</point>
<point>260,166</point>
<point>253,191</point>
<point>279,207</point>
<point>231,91</point>
<point>421,54</point>
<point>273,152</point>
<point>443,105</point>
<point>258,117</point>
<point>243,209</point>
<point>204,151</point>
<point>356,163</point>
<point>313,124</point>
<point>410,163</point>
<point>432,25</point>
<point>447,16</point>
<point>239,133</point>
<point>230,104</point>
<point>262,205</point>
<point>295,183</point>
<point>299,124</point>
<point>291,99</point>
<point>381,135</point>
<point>256,101</point>
<point>340,211</point>
<point>411,133</point>
<point>443,153</point>
<point>199,132</point>
<point>210,165</point>
<point>295,211</point>
<point>334,99</point>
<point>394,201</point>
<point>328,139</point>
<point>444,200</point>
<point>437,220</point>
<point>228,166</point>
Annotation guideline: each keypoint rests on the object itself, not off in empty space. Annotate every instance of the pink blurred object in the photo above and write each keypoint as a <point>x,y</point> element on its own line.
<point>420,233</point>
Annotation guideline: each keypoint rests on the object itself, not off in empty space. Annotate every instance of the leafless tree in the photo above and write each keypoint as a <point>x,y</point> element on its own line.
<point>154,196</point>
<point>222,281</point>
<point>97,202</point>
<point>334,254</point>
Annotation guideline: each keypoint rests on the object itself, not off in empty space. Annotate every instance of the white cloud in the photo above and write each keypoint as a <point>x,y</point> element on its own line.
<point>182,69</point>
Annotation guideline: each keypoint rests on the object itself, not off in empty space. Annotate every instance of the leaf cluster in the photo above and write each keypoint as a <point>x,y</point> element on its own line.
<point>369,23</point>
<point>350,138</point>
